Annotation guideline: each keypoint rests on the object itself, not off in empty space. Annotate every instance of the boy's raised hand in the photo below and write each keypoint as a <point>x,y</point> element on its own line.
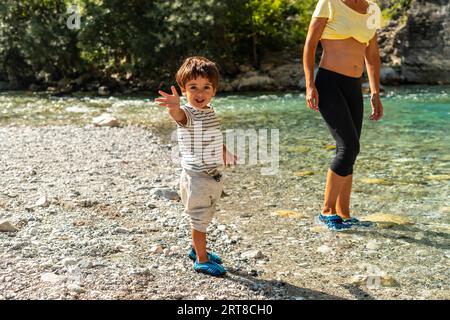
<point>167,100</point>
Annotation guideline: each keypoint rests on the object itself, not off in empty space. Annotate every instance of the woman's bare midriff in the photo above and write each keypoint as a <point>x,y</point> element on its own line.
<point>343,56</point>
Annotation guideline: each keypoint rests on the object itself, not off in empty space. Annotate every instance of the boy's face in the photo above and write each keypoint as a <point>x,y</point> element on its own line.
<point>199,92</point>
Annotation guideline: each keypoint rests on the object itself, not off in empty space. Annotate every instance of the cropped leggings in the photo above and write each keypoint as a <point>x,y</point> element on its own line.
<point>341,106</point>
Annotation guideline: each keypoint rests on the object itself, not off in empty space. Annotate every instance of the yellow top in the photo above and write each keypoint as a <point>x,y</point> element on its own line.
<point>344,22</point>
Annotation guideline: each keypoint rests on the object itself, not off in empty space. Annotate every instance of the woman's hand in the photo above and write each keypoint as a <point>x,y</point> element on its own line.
<point>377,107</point>
<point>312,97</point>
<point>167,100</point>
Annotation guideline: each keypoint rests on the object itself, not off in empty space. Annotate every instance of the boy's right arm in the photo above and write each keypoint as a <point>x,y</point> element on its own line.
<point>172,103</point>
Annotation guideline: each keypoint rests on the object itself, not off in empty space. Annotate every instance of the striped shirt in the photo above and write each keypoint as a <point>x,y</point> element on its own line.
<point>200,140</point>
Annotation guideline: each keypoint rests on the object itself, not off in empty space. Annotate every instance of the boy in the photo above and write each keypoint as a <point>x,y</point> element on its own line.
<point>202,153</point>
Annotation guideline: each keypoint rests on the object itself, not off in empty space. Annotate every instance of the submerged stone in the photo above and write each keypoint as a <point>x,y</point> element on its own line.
<point>290,214</point>
<point>386,218</point>
<point>439,177</point>
<point>298,149</point>
<point>376,181</point>
<point>304,173</point>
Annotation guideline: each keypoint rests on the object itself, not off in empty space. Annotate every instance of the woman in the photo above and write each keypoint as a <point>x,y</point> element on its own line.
<point>347,32</point>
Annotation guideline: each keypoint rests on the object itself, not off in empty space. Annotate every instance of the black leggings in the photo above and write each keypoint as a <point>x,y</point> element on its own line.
<point>341,105</point>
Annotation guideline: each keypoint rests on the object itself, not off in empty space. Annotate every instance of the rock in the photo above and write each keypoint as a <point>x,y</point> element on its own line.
<point>42,202</point>
<point>287,76</point>
<point>318,229</point>
<point>387,218</point>
<point>121,230</point>
<point>6,226</point>
<point>68,262</point>
<point>389,76</point>
<point>303,173</point>
<point>167,193</point>
<point>106,120</point>
<point>388,281</point>
<point>290,214</point>
<point>125,210</point>
<point>151,206</point>
<point>254,82</point>
<point>376,181</point>
<point>252,254</point>
<point>75,288</point>
<point>298,149</point>
<point>51,277</point>
<point>424,43</point>
<point>324,249</point>
<point>103,91</point>
<point>372,245</point>
<point>438,177</point>
<point>156,248</point>
<point>85,203</point>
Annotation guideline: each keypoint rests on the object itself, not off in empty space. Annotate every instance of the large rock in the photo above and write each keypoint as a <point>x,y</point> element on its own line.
<point>425,44</point>
<point>254,82</point>
<point>389,76</point>
<point>287,76</point>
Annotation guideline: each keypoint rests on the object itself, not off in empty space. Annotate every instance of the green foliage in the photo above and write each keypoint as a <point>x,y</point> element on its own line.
<point>141,38</point>
<point>395,9</point>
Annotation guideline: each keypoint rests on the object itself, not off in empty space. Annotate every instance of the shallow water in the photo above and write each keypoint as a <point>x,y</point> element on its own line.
<point>404,158</point>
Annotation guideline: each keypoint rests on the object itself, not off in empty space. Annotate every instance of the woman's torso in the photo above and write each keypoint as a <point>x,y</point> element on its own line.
<point>345,56</point>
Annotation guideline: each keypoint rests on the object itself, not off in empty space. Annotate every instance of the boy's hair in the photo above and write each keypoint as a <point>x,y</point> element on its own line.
<point>194,67</point>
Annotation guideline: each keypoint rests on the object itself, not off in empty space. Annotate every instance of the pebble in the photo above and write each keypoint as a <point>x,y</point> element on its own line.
<point>42,202</point>
<point>156,248</point>
<point>252,254</point>
<point>121,230</point>
<point>51,277</point>
<point>6,226</point>
<point>75,288</point>
<point>324,249</point>
<point>372,245</point>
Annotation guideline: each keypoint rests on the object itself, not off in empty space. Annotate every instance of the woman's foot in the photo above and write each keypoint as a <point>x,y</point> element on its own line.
<point>351,221</point>
<point>333,222</point>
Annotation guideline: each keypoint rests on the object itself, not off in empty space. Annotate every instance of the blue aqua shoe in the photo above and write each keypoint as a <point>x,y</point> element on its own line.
<point>357,223</point>
<point>211,268</point>
<point>334,222</point>
<point>211,256</point>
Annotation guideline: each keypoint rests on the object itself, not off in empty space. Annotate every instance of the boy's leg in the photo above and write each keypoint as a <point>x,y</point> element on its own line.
<point>199,244</point>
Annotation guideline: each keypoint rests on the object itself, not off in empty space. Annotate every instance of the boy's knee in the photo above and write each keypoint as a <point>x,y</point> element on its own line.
<point>200,219</point>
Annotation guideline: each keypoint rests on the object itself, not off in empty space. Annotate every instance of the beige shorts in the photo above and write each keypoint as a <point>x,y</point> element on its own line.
<point>199,194</point>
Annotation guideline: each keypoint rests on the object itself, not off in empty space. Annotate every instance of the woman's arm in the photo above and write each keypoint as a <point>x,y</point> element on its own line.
<point>315,31</point>
<point>373,64</point>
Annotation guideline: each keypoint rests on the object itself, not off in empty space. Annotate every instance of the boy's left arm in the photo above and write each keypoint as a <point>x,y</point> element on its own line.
<point>228,157</point>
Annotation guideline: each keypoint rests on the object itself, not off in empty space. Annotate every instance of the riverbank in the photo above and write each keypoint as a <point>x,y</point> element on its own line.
<point>94,219</point>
